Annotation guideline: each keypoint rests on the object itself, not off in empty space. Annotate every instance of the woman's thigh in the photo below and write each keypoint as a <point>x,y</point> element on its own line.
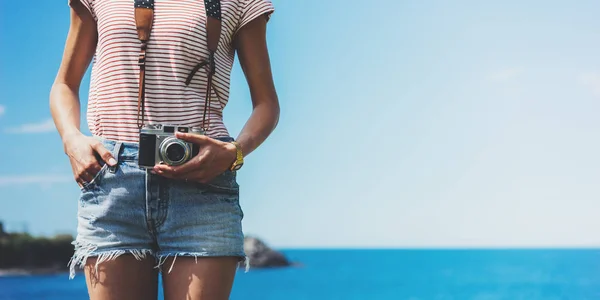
<point>200,238</point>
<point>125,277</point>
<point>114,245</point>
<point>207,278</point>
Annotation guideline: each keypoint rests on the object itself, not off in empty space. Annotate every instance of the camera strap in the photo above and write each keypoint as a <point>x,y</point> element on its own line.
<point>144,18</point>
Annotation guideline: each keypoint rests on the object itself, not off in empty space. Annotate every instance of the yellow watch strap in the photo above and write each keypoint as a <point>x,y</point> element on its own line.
<point>239,153</point>
<point>239,156</point>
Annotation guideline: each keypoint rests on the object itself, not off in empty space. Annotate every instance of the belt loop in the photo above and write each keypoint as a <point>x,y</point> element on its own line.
<point>115,153</point>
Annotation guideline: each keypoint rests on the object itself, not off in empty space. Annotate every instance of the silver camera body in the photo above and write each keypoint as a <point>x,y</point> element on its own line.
<point>158,145</point>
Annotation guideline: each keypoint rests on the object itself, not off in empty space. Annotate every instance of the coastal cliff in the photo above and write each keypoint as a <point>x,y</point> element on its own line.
<point>23,254</point>
<point>262,256</point>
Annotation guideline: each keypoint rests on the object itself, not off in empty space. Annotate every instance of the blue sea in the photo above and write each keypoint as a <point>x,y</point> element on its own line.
<point>387,274</point>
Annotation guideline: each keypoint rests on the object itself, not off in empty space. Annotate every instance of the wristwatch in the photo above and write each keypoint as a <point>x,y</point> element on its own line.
<point>239,157</point>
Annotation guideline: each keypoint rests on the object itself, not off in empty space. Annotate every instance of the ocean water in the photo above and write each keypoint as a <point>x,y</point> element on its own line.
<point>387,274</point>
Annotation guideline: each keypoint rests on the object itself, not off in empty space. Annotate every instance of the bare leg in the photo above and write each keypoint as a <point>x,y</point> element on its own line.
<point>207,279</point>
<point>122,278</point>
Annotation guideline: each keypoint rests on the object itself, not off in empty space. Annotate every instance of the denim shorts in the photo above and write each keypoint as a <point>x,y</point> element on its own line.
<point>128,210</point>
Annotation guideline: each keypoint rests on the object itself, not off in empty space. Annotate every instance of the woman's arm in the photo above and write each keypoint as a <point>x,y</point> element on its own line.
<point>215,156</point>
<point>77,55</point>
<point>251,45</point>
<point>64,96</point>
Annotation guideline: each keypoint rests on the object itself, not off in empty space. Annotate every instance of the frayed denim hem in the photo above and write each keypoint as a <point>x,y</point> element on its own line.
<point>163,256</point>
<point>84,251</point>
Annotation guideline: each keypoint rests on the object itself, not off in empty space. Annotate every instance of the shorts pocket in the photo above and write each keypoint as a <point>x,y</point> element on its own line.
<point>225,183</point>
<point>236,202</point>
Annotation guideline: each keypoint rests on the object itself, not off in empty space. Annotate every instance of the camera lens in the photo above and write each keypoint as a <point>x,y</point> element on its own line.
<point>175,152</point>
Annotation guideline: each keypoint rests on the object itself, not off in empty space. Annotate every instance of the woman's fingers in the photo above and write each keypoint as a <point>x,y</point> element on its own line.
<point>201,168</point>
<point>84,177</point>
<point>88,171</point>
<point>197,163</point>
<point>193,138</point>
<point>104,154</point>
<point>202,176</point>
<point>188,177</point>
<point>87,157</point>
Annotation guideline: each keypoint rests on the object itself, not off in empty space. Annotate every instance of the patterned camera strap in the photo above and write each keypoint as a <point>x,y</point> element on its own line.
<point>144,18</point>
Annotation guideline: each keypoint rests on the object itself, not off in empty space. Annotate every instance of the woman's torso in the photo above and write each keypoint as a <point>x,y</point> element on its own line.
<point>177,44</point>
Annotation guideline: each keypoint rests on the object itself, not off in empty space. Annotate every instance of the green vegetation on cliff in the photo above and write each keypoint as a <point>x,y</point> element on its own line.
<point>23,251</point>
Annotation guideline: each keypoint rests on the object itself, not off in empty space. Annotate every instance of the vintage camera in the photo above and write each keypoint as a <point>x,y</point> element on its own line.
<point>158,144</point>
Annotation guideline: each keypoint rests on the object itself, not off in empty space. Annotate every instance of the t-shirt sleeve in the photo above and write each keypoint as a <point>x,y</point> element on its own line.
<point>253,9</point>
<point>89,5</point>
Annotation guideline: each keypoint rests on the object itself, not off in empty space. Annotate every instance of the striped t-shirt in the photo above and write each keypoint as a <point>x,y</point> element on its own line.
<point>177,44</point>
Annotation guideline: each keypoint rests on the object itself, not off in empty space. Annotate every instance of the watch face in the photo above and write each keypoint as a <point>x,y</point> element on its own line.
<point>237,167</point>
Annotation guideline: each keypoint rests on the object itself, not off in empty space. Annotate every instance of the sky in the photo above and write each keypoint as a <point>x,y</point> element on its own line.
<point>403,124</point>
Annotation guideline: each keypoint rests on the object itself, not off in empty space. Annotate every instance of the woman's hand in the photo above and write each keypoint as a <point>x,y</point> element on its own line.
<point>214,158</point>
<point>86,155</point>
